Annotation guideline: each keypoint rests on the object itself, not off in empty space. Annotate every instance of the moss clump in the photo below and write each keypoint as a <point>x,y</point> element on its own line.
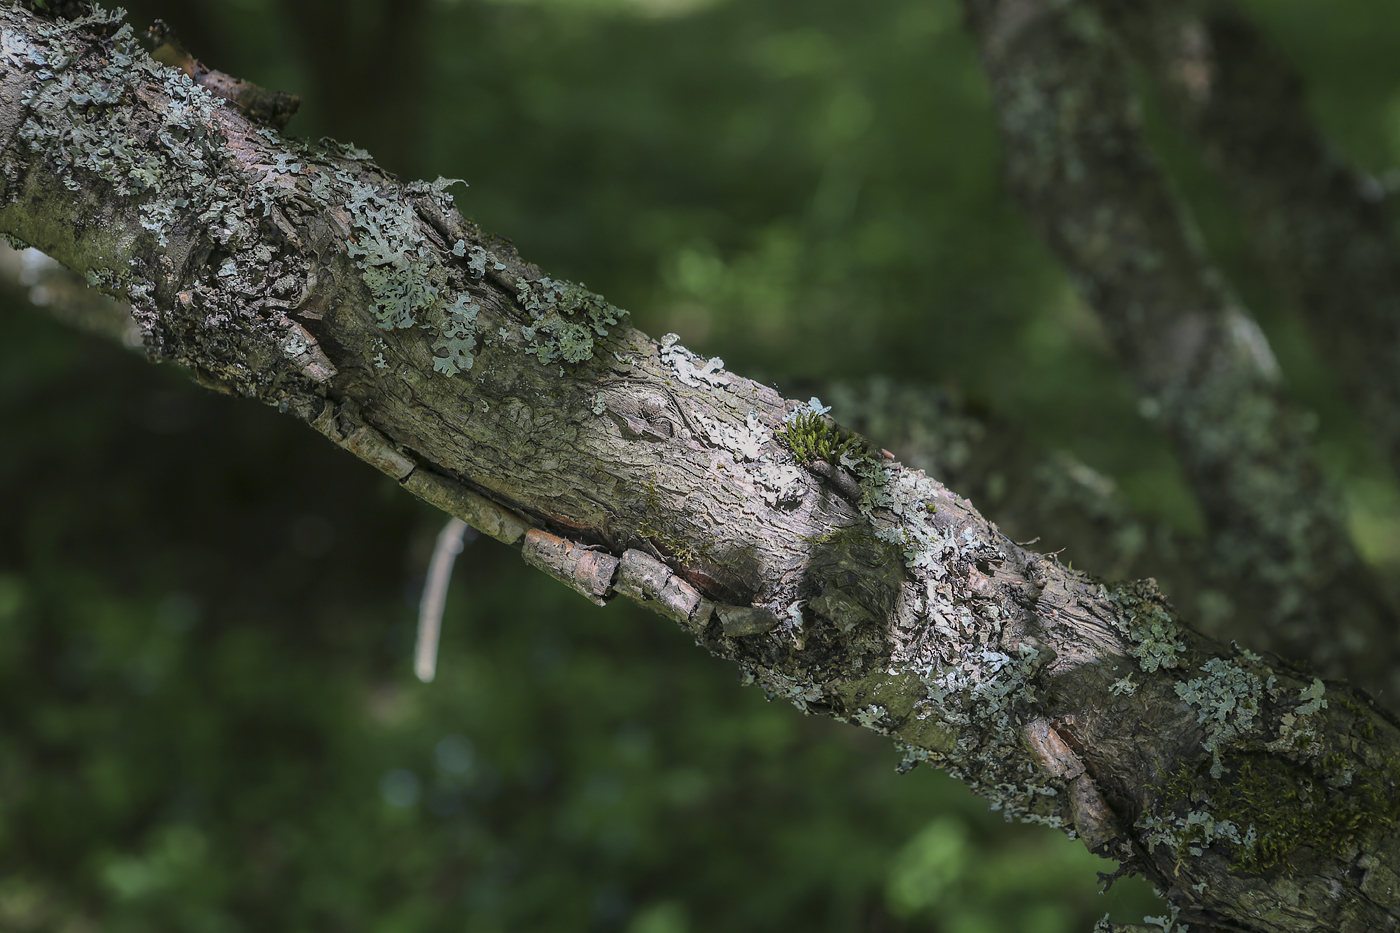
<point>811,437</point>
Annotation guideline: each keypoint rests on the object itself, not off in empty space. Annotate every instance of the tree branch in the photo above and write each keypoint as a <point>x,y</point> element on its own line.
<point>305,277</point>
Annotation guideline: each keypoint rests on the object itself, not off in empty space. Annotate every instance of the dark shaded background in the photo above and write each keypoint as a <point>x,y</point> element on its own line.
<point>208,720</point>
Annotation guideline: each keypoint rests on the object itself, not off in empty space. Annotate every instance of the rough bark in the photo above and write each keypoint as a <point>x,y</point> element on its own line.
<point>1046,497</point>
<point>1258,797</point>
<point>1017,483</point>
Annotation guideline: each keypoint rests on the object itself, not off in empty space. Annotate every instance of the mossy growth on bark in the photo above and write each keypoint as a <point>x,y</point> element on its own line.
<point>812,437</point>
<point>1267,806</point>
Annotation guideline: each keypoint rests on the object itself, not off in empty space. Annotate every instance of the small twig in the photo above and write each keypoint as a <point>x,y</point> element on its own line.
<point>273,108</point>
<point>450,542</point>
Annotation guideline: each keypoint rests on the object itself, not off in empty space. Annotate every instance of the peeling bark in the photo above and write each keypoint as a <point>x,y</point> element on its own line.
<point>305,277</point>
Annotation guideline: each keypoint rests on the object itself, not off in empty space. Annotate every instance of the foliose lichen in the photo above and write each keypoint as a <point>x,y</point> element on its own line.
<point>682,362</point>
<point>456,337</point>
<point>1148,625</point>
<point>1226,700</point>
<point>565,319</point>
<point>396,270</point>
<point>1123,686</point>
<point>76,118</point>
<point>1312,694</point>
<point>747,440</point>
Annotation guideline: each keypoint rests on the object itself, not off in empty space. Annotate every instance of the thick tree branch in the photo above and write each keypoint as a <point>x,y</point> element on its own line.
<point>1020,485</point>
<point>305,277</point>
<point>1077,159</point>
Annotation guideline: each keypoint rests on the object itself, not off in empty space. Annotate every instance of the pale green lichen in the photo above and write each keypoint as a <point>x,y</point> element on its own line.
<point>75,119</point>
<point>1226,701</point>
<point>1313,695</point>
<point>160,215</point>
<point>747,440</point>
<point>873,717</point>
<point>83,119</point>
<point>476,265</point>
<point>396,269</point>
<point>1149,626</point>
<point>908,497</point>
<point>456,339</point>
<point>565,319</point>
<point>778,483</point>
<point>775,684</point>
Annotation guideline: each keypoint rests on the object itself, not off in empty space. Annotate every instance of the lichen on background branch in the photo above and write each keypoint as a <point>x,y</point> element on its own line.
<point>1078,161</point>
<point>1325,231</point>
<point>304,276</point>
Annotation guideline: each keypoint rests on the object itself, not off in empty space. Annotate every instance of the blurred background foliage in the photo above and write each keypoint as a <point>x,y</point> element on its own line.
<point>207,716</point>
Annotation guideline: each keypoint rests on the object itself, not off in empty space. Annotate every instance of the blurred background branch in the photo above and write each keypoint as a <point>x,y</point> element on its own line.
<point>1324,231</point>
<point>1079,159</point>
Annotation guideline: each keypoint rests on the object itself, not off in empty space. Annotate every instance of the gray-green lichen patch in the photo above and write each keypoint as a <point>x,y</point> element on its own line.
<point>805,694</point>
<point>565,319</point>
<point>873,717</point>
<point>393,261</point>
<point>1297,730</point>
<point>975,686</point>
<point>476,265</point>
<point>778,483</point>
<point>747,440</point>
<point>1312,694</point>
<point>71,114</point>
<point>100,115</point>
<point>406,278</point>
<point>903,501</point>
<point>1226,699</point>
<point>1148,625</point>
<point>1125,686</point>
<point>456,340</point>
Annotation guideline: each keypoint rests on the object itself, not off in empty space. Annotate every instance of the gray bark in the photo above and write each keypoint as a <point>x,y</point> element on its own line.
<point>1257,797</point>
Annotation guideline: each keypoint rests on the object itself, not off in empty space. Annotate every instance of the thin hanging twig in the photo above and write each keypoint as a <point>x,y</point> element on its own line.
<point>450,542</point>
